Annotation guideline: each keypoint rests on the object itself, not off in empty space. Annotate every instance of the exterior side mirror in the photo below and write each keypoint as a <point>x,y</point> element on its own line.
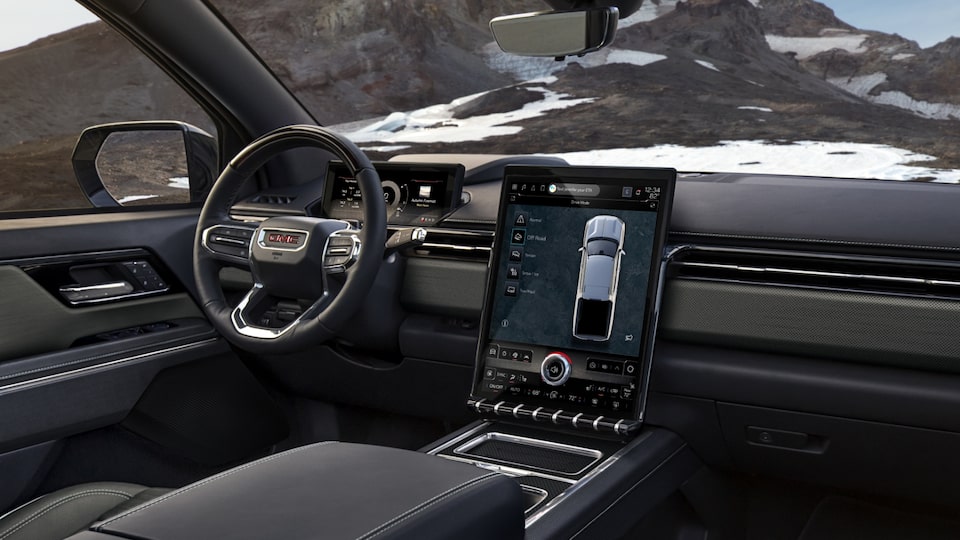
<point>556,33</point>
<point>131,163</point>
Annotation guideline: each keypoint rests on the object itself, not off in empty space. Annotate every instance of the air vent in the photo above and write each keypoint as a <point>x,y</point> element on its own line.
<point>452,244</point>
<point>273,199</point>
<point>911,277</point>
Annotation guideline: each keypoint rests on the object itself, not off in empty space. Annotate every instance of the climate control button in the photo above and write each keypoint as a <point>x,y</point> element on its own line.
<point>556,368</point>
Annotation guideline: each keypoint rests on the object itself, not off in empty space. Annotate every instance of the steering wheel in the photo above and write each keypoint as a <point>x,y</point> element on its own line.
<point>324,262</point>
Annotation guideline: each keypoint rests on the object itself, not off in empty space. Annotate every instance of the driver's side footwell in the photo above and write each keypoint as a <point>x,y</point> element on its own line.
<point>848,519</point>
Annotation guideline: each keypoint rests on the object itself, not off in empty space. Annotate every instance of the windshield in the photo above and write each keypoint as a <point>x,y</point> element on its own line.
<point>765,86</point>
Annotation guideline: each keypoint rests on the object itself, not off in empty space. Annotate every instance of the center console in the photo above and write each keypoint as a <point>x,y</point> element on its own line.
<point>565,348</point>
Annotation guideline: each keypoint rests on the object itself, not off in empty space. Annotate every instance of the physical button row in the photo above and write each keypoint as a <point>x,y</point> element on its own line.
<point>559,417</point>
<point>145,275</point>
<point>612,366</point>
<point>505,353</point>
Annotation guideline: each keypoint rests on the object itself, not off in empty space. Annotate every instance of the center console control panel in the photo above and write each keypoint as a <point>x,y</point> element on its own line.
<point>572,296</point>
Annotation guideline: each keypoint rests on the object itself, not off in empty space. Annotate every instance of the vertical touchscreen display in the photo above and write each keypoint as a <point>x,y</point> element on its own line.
<point>573,287</point>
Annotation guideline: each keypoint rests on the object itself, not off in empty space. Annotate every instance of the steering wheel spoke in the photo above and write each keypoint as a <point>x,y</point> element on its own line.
<point>229,242</point>
<point>341,251</point>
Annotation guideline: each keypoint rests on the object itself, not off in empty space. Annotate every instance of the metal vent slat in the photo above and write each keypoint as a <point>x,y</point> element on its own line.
<point>913,277</point>
<point>454,244</point>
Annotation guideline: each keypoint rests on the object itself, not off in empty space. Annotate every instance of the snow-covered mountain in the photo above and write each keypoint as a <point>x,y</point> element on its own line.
<point>693,74</point>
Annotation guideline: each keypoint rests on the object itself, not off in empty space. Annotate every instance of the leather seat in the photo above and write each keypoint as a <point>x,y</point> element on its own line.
<point>64,512</point>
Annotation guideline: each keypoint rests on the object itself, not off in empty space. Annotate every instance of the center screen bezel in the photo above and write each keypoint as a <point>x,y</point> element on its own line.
<point>607,178</point>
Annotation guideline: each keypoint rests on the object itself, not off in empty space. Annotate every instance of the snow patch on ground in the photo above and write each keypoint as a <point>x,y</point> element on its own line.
<point>862,86</point>
<point>707,65</point>
<point>534,68</point>
<point>753,108</point>
<point>131,198</point>
<point>436,123</point>
<point>805,47</point>
<point>648,12</point>
<point>805,158</point>
<point>637,58</point>
<point>902,56</point>
<point>385,149</point>
<point>179,182</point>
<point>934,111</point>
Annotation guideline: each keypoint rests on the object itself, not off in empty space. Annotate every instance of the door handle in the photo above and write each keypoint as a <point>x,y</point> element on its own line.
<point>79,294</point>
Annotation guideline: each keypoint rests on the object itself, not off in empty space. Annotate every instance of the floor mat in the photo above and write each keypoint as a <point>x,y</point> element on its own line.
<point>837,518</point>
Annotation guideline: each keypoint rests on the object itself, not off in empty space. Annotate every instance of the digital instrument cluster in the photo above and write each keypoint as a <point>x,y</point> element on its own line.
<point>415,194</point>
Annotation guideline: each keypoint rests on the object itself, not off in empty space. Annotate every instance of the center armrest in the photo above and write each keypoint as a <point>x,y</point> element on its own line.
<point>333,490</point>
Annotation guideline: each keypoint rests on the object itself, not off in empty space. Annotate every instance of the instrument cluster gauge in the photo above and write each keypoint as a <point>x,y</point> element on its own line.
<point>414,193</point>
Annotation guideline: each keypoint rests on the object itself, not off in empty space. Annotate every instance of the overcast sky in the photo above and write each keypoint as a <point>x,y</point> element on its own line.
<point>925,21</point>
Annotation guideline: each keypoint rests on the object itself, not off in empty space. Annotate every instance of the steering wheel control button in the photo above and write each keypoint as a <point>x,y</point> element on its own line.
<point>341,252</point>
<point>556,368</point>
<point>229,240</point>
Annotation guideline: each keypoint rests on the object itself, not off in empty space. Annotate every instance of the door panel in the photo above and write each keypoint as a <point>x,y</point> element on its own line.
<point>66,369</point>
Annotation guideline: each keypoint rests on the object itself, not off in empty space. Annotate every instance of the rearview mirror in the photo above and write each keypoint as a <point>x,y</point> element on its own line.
<point>133,163</point>
<point>556,33</point>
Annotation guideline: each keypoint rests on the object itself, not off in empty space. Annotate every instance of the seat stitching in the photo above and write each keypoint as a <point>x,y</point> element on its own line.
<point>59,502</point>
<point>424,505</point>
<point>204,482</point>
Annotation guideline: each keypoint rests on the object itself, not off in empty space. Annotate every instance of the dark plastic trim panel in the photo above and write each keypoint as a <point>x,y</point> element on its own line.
<point>90,397</point>
<point>871,328</point>
<point>877,393</point>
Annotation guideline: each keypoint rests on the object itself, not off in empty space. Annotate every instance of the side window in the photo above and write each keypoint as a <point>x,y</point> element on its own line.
<point>63,71</point>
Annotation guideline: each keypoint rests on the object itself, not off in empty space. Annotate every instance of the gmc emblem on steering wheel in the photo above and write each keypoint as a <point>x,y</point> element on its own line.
<point>283,239</point>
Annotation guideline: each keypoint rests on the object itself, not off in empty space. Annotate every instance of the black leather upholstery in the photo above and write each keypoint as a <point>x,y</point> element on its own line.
<point>333,491</point>
<point>67,511</point>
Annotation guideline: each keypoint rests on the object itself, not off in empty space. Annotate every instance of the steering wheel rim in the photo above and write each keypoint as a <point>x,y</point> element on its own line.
<point>320,321</point>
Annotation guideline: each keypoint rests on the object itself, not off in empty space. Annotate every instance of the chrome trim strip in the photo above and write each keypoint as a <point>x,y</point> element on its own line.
<point>505,469</point>
<point>464,448</point>
<point>542,493</point>
<point>515,409</point>
<point>452,246</point>
<point>535,411</point>
<point>616,427</point>
<point>575,418</point>
<point>556,414</point>
<point>817,256</point>
<point>596,423</point>
<point>74,372</point>
<point>476,405</point>
<point>462,436</point>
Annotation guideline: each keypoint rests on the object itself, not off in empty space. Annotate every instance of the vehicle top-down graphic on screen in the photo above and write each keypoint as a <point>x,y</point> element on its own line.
<point>599,272</point>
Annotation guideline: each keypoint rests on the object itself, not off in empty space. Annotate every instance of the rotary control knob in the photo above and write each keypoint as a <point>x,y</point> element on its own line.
<point>556,368</point>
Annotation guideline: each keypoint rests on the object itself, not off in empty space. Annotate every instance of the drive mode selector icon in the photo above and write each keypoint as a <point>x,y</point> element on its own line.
<point>556,368</point>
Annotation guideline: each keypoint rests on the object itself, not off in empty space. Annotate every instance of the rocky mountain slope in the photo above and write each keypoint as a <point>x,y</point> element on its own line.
<point>691,73</point>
